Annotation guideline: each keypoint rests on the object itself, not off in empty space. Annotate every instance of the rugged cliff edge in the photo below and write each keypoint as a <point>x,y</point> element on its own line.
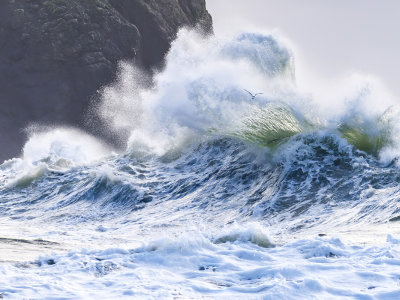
<point>55,54</point>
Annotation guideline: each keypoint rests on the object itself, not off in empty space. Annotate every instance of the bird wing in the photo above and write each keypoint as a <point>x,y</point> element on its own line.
<point>258,94</point>
<point>249,92</point>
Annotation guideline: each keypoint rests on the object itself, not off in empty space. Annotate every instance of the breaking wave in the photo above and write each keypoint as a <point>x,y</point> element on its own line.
<point>205,154</point>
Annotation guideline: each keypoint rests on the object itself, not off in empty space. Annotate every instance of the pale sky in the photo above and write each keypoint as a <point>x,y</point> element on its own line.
<point>331,37</point>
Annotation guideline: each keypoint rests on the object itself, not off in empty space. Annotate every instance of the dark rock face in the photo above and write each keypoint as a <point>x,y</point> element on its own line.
<point>55,54</point>
<point>158,21</point>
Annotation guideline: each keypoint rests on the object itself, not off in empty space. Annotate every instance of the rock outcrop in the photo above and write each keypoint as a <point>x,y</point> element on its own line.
<point>56,54</point>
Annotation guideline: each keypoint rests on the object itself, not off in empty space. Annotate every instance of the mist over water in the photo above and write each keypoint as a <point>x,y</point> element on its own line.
<point>218,193</point>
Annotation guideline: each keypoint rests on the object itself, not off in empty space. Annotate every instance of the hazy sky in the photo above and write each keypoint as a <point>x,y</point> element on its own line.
<point>331,37</point>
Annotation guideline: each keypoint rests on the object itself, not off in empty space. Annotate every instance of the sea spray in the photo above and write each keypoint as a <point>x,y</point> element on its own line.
<point>207,97</point>
<point>210,98</point>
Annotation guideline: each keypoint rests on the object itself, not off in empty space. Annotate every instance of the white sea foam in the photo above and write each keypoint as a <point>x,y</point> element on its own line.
<point>190,266</point>
<point>66,144</point>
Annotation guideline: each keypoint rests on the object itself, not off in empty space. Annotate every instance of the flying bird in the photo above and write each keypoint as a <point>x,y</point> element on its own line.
<point>253,96</point>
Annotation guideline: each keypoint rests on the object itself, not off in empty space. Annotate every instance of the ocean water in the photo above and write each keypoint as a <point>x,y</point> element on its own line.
<point>292,194</point>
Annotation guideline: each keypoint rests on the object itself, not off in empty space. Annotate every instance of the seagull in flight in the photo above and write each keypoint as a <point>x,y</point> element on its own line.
<point>253,96</point>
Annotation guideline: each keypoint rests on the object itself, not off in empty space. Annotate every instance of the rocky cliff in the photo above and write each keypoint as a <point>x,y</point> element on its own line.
<point>55,54</point>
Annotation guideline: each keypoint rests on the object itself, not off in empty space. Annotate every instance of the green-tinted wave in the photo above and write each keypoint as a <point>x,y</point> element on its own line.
<point>367,142</point>
<point>369,137</point>
<point>271,125</point>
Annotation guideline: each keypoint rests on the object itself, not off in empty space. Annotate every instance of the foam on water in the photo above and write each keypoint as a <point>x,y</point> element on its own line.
<point>64,144</point>
<point>190,266</point>
<point>52,149</point>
